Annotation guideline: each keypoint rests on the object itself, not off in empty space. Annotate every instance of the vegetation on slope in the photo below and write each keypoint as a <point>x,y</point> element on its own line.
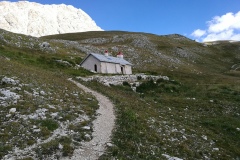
<point>189,120</point>
<point>48,114</point>
<point>194,115</point>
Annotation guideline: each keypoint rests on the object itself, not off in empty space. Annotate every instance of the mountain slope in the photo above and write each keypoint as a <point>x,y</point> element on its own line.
<point>190,111</point>
<point>34,19</point>
<point>147,51</point>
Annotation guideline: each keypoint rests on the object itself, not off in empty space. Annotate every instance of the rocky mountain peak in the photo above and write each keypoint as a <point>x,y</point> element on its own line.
<point>37,20</point>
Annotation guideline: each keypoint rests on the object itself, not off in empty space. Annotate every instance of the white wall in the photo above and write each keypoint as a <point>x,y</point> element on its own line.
<point>116,68</point>
<point>128,69</point>
<point>90,62</point>
<point>110,68</point>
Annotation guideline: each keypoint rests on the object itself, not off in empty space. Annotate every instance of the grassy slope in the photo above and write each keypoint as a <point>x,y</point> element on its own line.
<point>187,118</point>
<point>173,118</point>
<point>38,72</point>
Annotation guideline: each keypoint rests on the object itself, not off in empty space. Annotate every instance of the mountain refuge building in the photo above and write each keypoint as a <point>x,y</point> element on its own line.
<point>107,64</point>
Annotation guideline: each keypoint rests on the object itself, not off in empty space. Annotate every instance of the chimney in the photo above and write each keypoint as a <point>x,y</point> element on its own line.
<point>120,55</point>
<point>106,53</point>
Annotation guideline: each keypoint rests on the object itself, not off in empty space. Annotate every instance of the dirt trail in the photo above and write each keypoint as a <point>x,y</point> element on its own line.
<point>102,128</point>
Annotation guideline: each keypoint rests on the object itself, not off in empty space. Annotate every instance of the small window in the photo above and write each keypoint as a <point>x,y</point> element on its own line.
<point>95,68</point>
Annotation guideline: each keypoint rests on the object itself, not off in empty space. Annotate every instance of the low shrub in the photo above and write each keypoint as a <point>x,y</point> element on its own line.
<point>49,123</point>
<point>4,150</point>
<point>67,150</point>
<point>48,148</point>
<point>125,83</point>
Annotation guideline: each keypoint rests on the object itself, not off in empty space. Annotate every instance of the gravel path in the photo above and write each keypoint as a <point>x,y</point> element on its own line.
<point>102,128</point>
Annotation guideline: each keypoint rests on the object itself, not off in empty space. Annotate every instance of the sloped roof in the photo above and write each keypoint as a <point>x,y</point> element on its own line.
<point>109,59</point>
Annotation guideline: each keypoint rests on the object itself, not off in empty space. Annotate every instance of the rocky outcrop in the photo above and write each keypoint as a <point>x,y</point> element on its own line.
<point>37,20</point>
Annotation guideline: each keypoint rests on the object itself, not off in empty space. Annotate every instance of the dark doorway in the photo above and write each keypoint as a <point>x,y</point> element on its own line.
<point>95,68</point>
<point>122,69</point>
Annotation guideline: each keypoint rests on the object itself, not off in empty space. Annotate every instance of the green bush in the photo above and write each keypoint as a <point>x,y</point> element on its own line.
<point>125,83</point>
<point>67,150</point>
<point>146,86</point>
<point>48,148</point>
<point>4,150</point>
<point>27,158</point>
<point>139,78</point>
<point>49,123</point>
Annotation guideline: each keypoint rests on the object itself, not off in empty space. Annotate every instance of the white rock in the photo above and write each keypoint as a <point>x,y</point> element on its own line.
<point>109,144</point>
<point>87,136</point>
<point>12,110</point>
<point>54,115</point>
<point>42,93</point>
<point>204,137</point>
<point>34,116</point>
<point>86,127</point>
<point>9,80</point>
<point>171,158</point>
<point>174,130</point>
<point>51,106</point>
<point>37,20</point>
<point>215,149</point>
<point>238,129</point>
<point>36,130</point>
<point>7,95</point>
<point>60,146</point>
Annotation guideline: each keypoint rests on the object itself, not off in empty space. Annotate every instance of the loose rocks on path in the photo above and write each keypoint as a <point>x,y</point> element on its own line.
<point>102,128</point>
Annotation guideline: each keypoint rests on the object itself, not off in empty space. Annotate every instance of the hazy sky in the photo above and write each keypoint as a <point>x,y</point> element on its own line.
<point>202,20</point>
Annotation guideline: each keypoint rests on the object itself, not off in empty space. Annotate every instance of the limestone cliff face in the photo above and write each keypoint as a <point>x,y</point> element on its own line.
<point>37,20</point>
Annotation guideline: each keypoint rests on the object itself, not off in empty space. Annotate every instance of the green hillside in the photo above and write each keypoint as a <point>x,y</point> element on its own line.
<point>193,115</point>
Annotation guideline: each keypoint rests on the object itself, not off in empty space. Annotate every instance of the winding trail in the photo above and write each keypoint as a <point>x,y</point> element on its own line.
<point>102,128</point>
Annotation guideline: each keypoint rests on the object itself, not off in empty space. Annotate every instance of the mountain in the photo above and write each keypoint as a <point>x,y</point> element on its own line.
<point>37,20</point>
<point>182,102</point>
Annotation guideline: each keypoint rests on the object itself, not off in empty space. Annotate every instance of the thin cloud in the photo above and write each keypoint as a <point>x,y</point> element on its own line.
<point>225,27</point>
<point>198,33</point>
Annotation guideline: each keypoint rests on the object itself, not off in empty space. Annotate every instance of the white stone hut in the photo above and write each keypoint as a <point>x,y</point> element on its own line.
<point>107,64</point>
